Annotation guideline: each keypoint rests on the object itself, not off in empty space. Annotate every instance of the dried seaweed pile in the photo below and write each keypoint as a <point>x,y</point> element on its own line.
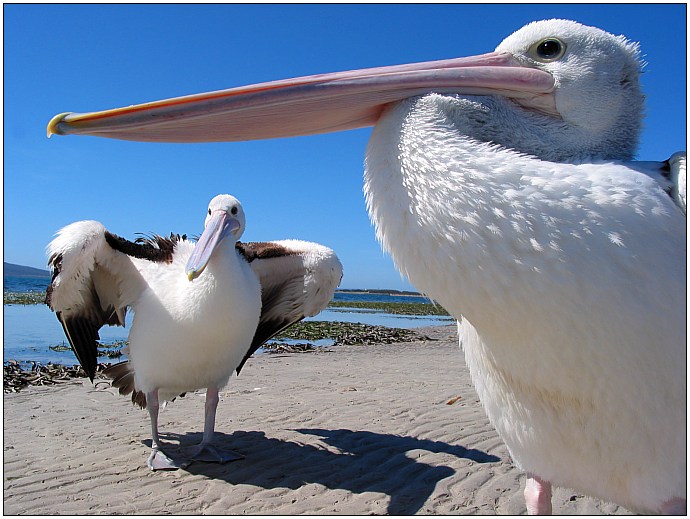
<point>23,298</point>
<point>112,350</point>
<point>348,333</point>
<point>393,308</point>
<point>15,378</point>
<point>279,347</point>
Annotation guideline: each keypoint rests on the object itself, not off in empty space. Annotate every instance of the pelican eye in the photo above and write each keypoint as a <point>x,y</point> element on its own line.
<point>233,211</point>
<point>549,49</point>
<point>209,210</point>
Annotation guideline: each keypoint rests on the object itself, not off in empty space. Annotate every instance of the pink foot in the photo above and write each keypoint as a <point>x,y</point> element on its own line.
<point>158,460</point>
<point>537,496</point>
<point>675,506</point>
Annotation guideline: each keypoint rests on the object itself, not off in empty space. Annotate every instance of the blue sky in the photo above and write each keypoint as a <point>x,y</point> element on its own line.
<point>82,58</point>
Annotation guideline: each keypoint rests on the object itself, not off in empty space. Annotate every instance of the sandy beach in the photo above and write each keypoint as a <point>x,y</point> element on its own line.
<point>358,430</point>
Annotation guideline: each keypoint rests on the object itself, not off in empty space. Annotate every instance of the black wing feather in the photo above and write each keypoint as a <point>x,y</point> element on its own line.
<point>269,328</point>
<point>123,378</point>
<point>82,334</point>
<point>153,248</point>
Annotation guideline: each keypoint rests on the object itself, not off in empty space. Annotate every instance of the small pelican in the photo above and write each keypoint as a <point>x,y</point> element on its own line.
<point>501,187</point>
<point>187,333</point>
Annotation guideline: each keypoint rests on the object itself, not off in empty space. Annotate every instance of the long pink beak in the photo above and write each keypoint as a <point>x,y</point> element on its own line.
<point>312,104</point>
<point>219,225</point>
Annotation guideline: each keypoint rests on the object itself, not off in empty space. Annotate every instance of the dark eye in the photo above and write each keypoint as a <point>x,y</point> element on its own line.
<point>549,49</point>
<point>233,211</point>
<point>209,210</point>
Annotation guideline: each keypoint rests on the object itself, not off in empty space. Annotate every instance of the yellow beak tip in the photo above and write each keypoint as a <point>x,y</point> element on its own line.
<point>54,122</point>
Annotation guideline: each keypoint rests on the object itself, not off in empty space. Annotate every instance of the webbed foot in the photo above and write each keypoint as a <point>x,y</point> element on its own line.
<point>211,454</point>
<point>158,460</point>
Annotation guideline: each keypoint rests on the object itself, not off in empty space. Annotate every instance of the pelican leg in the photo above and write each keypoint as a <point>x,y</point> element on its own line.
<point>205,451</point>
<point>537,496</point>
<point>158,460</point>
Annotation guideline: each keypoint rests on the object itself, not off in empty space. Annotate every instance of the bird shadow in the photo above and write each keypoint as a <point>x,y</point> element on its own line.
<point>357,461</point>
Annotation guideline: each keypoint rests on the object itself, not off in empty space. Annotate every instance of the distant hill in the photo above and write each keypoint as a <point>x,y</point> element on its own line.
<point>10,269</point>
<point>386,291</point>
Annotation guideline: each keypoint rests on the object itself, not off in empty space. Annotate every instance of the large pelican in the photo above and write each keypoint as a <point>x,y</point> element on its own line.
<point>187,333</point>
<point>499,186</point>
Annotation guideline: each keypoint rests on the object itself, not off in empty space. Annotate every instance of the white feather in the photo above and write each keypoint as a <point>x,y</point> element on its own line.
<point>569,278</point>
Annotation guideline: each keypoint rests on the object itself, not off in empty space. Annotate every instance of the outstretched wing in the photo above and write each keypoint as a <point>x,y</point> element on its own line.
<point>94,281</point>
<point>297,279</point>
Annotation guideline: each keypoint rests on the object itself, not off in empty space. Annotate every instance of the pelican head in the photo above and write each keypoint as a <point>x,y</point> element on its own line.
<point>224,220</point>
<point>596,74</point>
<point>597,92</point>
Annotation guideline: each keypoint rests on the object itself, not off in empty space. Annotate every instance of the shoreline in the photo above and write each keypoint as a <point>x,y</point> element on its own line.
<point>27,314</point>
<point>380,291</point>
<point>301,337</point>
<point>34,297</point>
<point>356,430</point>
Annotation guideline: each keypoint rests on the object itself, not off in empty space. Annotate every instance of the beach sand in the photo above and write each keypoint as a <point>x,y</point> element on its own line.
<point>358,430</point>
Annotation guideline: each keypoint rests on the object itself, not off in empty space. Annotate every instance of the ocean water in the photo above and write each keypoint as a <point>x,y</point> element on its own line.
<point>383,298</point>
<point>30,330</point>
<point>16,284</point>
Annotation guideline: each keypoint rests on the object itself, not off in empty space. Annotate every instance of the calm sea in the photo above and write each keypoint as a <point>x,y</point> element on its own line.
<point>30,330</point>
<point>14,284</point>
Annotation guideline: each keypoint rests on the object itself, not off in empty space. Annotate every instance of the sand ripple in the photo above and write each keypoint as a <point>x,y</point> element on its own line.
<point>359,430</point>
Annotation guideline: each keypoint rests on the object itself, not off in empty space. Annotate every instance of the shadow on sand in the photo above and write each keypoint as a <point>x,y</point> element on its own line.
<point>357,461</point>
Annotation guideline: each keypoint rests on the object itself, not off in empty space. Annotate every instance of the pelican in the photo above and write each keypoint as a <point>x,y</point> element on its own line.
<point>502,186</point>
<point>200,310</point>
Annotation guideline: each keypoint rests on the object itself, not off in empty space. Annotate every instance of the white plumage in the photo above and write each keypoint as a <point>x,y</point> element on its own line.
<point>200,309</point>
<point>570,283</point>
<point>502,186</point>
<point>569,278</point>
